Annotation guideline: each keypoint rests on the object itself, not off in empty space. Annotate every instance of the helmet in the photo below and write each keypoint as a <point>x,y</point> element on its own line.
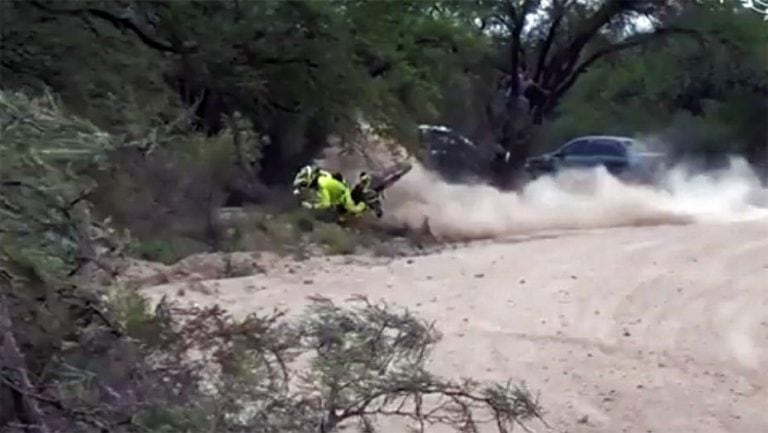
<point>306,176</point>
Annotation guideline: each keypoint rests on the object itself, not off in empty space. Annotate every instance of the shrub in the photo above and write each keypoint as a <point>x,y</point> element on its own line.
<point>336,239</point>
<point>168,249</point>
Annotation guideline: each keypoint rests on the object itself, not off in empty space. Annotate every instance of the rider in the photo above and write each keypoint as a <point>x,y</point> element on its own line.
<point>331,190</point>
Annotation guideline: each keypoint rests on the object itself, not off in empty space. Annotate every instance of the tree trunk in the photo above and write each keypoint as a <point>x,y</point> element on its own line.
<point>295,139</point>
<point>511,129</point>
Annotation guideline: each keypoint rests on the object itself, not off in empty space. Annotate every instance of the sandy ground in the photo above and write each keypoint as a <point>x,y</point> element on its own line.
<point>645,329</point>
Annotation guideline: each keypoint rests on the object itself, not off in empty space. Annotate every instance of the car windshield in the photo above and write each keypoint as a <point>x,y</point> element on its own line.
<point>637,146</point>
<point>608,147</point>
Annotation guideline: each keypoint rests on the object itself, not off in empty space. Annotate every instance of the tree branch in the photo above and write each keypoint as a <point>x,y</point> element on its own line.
<point>525,407</point>
<point>563,61</point>
<point>504,21</point>
<point>121,22</point>
<point>89,418</point>
<point>597,55</point>
<point>560,8</point>
<point>515,48</point>
<point>511,9</point>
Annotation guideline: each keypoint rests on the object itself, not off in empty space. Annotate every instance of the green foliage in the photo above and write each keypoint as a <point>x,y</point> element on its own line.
<point>45,155</point>
<point>295,231</point>
<point>299,71</point>
<point>336,239</point>
<point>184,180</point>
<point>130,309</point>
<point>387,62</point>
<point>350,361</point>
<point>366,362</point>
<point>174,419</point>
<point>100,74</point>
<point>167,249</point>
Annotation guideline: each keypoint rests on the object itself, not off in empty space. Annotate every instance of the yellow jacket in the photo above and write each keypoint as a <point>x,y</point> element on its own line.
<point>332,192</point>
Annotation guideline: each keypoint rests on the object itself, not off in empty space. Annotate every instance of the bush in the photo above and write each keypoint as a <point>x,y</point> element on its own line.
<point>336,239</point>
<point>167,250</point>
<point>360,363</point>
<point>185,179</point>
<point>292,231</point>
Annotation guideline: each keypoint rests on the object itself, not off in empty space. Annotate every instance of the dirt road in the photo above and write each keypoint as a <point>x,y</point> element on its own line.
<point>648,329</point>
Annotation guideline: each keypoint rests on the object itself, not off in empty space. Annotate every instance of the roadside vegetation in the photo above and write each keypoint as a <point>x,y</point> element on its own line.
<point>156,130</point>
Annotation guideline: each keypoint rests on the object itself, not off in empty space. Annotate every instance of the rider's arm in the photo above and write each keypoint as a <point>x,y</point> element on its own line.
<point>323,199</point>
<point>325,192</point>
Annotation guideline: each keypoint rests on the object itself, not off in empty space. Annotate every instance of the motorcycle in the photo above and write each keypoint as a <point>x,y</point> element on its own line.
<point>373,195</point>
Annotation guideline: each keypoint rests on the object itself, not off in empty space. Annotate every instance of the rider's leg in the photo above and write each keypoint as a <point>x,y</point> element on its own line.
<point>363,184</point>
<point>357,194</point>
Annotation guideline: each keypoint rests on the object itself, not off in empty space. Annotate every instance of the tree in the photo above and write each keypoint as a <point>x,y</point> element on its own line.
<point>554,44</point>
<point>701,105</point>
<point>298,70</point>
<point>48,236</point>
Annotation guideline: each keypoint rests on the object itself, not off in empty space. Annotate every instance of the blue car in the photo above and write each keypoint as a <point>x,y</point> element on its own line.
<point>623,157</point>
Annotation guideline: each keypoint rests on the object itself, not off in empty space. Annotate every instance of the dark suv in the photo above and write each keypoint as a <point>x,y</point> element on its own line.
<point>622,156</point>
<point>455,157</point>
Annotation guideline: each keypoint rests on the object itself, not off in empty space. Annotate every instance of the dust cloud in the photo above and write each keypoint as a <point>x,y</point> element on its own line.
<point>583,199</point>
